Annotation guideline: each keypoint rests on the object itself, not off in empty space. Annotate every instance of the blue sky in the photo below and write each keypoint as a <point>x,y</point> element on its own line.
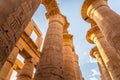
<point>78,27</point>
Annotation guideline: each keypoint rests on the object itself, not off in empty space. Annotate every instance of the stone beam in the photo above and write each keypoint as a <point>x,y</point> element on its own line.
<point>32,27</point>
<point>27,46</point>
<point>18,65</point>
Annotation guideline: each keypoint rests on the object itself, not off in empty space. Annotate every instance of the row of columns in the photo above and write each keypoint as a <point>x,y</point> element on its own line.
<point>109,55</point>
<point>5,71</point>
<point>70,58</point>
<point>31,57</point>
<point>107,20</point>
<point>58,59</point>
<point>105,34</point>
<point>26,73</point>
<point>105,74</point>
<point>50,65</point>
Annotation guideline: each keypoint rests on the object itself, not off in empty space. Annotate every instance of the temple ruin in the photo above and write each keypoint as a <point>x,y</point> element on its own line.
<point>58,59</point>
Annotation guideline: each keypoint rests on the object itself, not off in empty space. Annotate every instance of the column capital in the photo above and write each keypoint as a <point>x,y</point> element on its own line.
<point>51,7</point>
<point>93,33</point>
<point>76,57</point>
<point>66,27</point>
<point>68,39</point>
<point>89,6</point>
<point>59,18</point>
<point>53,13</point>
<point>94,52</point>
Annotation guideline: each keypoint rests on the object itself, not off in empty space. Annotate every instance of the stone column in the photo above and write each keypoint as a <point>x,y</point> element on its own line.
<point>108,54</point>
<point>101,73</point>
<point>6,68</point>
<point>51,62</point>
<point>95,53</point>
<point>14,16</point>
<point>78,72</point>
<point>68,57</point>
<point>27,71</point>
<point>107,20</point>
<point>9,74</point>
<point>50,66</point>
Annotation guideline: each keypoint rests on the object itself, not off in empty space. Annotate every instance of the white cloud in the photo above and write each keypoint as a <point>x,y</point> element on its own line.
<point>93,78</point>
<point>92,60</point>
<point>95,72</point>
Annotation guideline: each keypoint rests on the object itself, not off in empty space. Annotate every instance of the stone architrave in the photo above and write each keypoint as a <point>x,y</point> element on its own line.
<point>108,53</point>
<point>50,66</point>
<point>14,16</point>
<point>27,71</point>
<point>107,20</point>
<point>95,54</point>
<point>6,68</point>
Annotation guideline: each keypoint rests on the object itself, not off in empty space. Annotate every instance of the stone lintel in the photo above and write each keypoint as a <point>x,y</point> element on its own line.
<point>32,60</point>
<point>27,42</point>
<point>32,27</point>
<point>18,65</point>
<point>29,49</point>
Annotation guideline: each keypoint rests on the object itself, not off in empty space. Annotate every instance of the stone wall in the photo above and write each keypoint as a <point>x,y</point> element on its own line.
<point>14,16</point>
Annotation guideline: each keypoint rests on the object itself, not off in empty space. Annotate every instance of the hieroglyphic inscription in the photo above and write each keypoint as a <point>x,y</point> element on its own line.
<point>13,23</point>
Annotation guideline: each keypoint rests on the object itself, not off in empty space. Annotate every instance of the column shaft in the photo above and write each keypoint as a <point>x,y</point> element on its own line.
<point>107,20</point>
<point>9,74</point>
<point>51,62</point>
<point>27,71</point>
<point>68,58</point>
<point>78,72</point>
<point>108,54</point>
<point>69,72</point>
<point>6,68</point>
<point>105,74</point>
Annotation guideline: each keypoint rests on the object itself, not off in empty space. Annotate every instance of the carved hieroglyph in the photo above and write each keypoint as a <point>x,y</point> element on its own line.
<point>14,16</point>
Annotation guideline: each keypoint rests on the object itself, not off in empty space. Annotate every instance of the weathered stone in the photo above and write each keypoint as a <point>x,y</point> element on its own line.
<point>6,68</point>
<point>14,16</point>
<point>27,71</point>
<point>68,59</point>
<point>108,53</point>
<point>107,20</point>
<point>95,53</point>
<point>51,62</point>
